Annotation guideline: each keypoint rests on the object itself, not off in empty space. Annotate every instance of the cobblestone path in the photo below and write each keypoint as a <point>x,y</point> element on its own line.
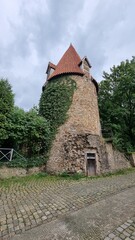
<point>124,231</point>
<point>23,207</point>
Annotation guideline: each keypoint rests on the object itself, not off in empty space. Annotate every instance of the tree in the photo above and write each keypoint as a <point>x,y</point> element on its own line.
<point>117,104</point>
<point>6,97</point>
<point>38,134</point>
<point>28,132</point>
<point>6,106</point>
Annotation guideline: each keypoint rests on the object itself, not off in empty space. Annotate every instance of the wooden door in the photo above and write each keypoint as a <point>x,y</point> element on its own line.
<point>91,164</point>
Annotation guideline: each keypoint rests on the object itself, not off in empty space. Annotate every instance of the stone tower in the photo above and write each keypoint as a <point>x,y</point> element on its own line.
<point>78,145</point>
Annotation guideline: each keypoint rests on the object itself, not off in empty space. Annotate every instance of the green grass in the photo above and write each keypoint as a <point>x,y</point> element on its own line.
<point>23,181</point>
<point>75,176</point>
<point>119,172</point>
<point>78,176</point>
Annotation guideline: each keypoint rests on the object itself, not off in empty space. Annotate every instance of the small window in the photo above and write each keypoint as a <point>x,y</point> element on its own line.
<point>50,71</point>
<point>91,156</point>
<point>81,66</point>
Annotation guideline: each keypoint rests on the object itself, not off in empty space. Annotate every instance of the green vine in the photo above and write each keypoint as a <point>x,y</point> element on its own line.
<point>56,100</point>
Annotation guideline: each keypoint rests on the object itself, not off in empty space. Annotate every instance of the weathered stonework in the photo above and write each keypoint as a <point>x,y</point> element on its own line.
<point>78,145</point>
<point>83,113</point>
<point>71,157</point>
<point>80,133</point>
<point>6,172</point>
<point>116,159</point>
<point>132,159</point>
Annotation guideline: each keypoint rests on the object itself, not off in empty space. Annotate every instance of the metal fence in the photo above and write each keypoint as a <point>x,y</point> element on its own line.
<point>6,154</point>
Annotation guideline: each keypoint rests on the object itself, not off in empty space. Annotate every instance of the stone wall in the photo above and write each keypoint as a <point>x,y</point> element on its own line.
<point>116,159</point>
<point>81,134</point>
<point>132,159</point>
<point>6,172</point>
<point>83,118</point>
<point>85,67</point>
<point>70,156</point>
<point>84,113</point>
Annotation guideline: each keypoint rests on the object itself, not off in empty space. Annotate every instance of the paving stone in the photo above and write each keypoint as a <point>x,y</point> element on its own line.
<point>23,207</point>
<point>119,229</point>
<point>131,228</point>
<point>124,226</point>
<point>126,233</point>
<point>122,236</point>
<point>128,230</point>
<point>116,238</point>
<point>111,236</point>
<point>130,221</point>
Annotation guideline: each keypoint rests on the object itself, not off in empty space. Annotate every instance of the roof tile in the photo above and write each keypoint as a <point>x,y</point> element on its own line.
<point>69,63</point>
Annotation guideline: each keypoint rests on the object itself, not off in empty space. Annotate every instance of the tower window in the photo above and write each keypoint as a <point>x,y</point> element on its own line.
<point>91,156</point>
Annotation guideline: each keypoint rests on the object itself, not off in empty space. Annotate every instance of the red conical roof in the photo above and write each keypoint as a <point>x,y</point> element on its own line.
<point>69,63</point>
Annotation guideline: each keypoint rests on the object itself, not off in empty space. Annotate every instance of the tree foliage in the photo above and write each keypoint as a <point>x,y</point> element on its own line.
<point>6,97</point>
<point>117,104</point>
<point>26,132</point>
<point>6,106</point>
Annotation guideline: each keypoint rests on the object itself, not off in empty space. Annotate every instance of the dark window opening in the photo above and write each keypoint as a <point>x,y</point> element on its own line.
<point>91,156</point>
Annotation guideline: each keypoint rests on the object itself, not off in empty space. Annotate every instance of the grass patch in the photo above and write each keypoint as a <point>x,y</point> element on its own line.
<point>119,172</point>
<point>75,176</point>
<point>23,181</point>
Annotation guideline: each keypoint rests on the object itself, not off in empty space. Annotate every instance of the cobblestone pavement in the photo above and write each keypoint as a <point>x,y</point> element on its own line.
<point>124,231</point>
<point>23,207</point>
<point>93,222</point>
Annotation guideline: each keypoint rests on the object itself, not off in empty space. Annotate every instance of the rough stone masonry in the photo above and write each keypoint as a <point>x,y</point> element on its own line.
<point>79,145</point>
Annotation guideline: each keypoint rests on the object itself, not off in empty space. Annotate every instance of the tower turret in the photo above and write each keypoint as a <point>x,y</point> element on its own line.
<point>77,145</point>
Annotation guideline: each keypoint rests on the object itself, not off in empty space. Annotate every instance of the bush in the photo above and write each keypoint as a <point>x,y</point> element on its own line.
<point>17,162</point>
<point>36,161</point>
<point>20,162</point>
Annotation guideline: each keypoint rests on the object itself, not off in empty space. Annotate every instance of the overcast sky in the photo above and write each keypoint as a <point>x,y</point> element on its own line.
<point>34,32</point>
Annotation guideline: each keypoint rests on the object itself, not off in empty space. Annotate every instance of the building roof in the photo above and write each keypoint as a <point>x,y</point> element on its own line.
<point>69,63</point>
<point>86,59</point>
<point>50,65</point>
